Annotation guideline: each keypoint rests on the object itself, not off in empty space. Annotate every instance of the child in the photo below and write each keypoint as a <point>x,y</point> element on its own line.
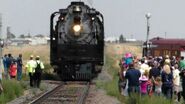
<point>144,83</point>
<point>150,88</point>
<point>158,85</point>
<point>13,70</point>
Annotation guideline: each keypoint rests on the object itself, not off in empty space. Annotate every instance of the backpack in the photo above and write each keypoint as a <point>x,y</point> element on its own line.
<point>38,68</point>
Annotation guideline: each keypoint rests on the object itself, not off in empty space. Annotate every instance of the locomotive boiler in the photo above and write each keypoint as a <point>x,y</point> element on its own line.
<point>77,42</point>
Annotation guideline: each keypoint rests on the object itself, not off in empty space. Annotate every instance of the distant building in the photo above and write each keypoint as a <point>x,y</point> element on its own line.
<point>161,47</point>
<point>18,42</point>
<point>111,39</point>
<point>28,41</point>
<point>38,40</point>
<point>131,40</point>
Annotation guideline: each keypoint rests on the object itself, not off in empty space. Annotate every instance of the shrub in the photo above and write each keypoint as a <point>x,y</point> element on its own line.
<point>12,89</point>
<point>47,68</point>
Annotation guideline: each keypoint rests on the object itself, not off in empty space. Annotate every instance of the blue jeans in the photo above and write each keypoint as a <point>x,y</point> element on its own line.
<point>19,73</point>
<point>6,74</point>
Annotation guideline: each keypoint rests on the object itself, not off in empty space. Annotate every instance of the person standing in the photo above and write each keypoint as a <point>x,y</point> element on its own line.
<point>176,82</point>
<point>144,83</point>
<point>30,67</point>
<point>13,70</point>
<point>158,84</point>
<point>5,66</point>
<point>19,67</point>
<point>182,74</point>
<point>39,66</point>
<point>133,76</point>
<point>154,73</point>
<point>9,61</point>
<point>182,63</point>
<point>167,81</point>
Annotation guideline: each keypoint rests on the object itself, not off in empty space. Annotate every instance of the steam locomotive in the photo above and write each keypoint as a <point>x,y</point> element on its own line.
<point>77,42</point>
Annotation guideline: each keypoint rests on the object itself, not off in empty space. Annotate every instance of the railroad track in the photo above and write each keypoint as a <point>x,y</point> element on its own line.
<point>65,93</point>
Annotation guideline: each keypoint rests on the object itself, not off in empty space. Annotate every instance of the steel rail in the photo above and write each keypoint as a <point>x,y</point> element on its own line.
<point>45,95</point>
<point>85,93</point>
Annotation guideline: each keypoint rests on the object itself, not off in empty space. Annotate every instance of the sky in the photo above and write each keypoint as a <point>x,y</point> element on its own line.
<point>125,17</point>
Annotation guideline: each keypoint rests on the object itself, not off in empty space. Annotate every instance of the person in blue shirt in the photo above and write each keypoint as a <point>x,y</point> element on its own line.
<point>5,66</point>
<point>133,76</point>
<point>19,67</point>
<point>167,81</point>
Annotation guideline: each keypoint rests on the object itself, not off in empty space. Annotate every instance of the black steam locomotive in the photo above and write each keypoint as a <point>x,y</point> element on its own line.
<point>77,42</point>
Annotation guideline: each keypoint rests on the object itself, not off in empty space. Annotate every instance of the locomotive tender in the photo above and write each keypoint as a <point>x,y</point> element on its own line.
<point>77,42</point>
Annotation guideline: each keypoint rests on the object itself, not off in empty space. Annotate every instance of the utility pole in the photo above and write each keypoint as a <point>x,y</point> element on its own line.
<point>1,42</point>
<point>148,15</point>
<point>0,24</point>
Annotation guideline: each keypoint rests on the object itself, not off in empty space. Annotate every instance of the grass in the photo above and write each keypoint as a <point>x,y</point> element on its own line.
<point>12,90</point>
<point>112,86</point>
<point>136,99</point>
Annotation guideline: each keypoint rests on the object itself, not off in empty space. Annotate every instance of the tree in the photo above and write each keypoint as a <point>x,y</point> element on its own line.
<point>39,35</point>
<point>13,36</point>
<point>122,39</point>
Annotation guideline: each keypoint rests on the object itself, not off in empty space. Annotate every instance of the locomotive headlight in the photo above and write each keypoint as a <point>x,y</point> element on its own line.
<point>77,28</point>
<point>92,18</point>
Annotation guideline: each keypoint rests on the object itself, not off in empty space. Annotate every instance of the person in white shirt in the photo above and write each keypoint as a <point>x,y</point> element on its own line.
<point>144,66</point>
<point>176,81</point>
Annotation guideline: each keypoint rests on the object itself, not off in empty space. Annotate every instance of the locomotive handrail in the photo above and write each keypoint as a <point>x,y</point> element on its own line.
<point>52,31</point>
<point>51,23</point>
<point>102,18</point>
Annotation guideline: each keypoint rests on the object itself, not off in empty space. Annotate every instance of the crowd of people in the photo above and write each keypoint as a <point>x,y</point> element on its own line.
<point>13,68</point>
<point>152,76</point>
